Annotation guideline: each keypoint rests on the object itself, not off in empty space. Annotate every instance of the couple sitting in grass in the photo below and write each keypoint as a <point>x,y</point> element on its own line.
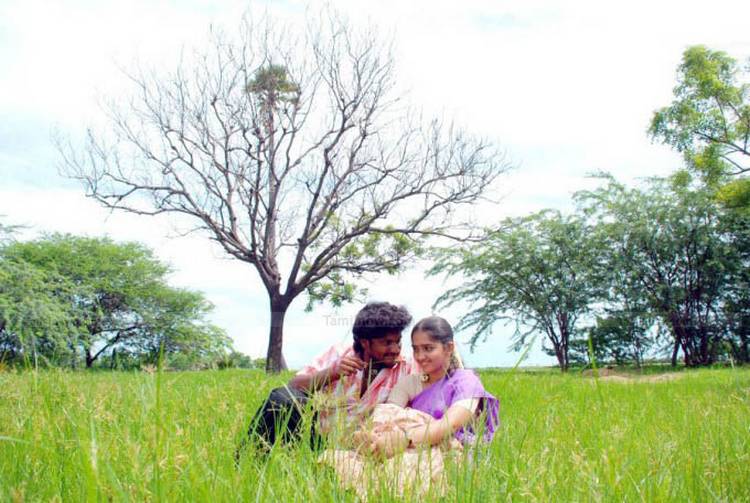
<point>379,411</point>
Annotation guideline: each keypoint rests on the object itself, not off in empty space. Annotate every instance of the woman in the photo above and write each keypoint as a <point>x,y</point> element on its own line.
<point>447,407</point>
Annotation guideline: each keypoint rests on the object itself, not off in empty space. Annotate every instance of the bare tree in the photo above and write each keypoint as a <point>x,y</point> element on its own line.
<point>297,156</point>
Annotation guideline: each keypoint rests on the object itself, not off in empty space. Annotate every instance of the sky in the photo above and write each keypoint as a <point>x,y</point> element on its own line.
<point>564,88</point>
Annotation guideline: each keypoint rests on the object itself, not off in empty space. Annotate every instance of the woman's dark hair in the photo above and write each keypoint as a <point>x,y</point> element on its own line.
<point>378,319</point>
<point>440,331</point>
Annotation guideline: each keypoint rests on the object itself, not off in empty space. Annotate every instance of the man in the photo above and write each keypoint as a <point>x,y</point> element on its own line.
<point>352,378</point>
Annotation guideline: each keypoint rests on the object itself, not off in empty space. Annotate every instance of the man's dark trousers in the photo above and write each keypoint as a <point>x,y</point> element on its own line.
<point>279,419</point>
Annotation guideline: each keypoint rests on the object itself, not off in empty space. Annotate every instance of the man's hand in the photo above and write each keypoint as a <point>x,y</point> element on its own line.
<point>347,365</point>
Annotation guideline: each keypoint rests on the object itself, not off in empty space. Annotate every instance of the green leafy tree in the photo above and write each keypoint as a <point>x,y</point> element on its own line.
<point>36,314</point>
<point>709,122</point>
<point>672,247</point>
<point>623,329</point>
<point>239,360</point>
<point>537,272</point>
<point>737,304</point>
<point>619,336</point>
<point>93,295</point>
<point>33,323</point>
<point>296,155</point>
<point>177,327</point>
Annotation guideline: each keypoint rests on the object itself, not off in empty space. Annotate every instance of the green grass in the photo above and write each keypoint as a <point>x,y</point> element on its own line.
<point>171,436</point>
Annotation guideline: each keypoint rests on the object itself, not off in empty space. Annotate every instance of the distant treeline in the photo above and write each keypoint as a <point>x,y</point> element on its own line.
<point>633,272</point>
<point>82,302</point>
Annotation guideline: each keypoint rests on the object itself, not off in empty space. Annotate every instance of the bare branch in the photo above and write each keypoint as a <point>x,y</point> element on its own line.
<point>286,151</point>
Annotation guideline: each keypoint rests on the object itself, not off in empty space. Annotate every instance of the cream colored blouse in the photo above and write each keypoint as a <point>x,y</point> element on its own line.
<point>411,385</point>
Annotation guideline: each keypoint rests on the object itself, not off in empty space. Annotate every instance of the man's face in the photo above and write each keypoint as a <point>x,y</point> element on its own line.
<point>384,350</point>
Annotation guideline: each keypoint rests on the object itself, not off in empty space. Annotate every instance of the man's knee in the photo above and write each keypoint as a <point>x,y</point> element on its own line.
<point>287,396</point>
<point>280,415</point>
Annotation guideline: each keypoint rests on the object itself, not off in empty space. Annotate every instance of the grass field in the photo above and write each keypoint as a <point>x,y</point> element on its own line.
<point>67,436</point>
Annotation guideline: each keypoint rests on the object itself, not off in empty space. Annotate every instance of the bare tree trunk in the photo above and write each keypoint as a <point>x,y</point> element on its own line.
<point>687,351</point>
<point>561,354</point>
<point>274,357</point>
<point>683,340</point>
<point>561,359</point>
<point>638,352</point>
<point>559,344</point>
<point>675,351</point>
<point>89,358</point>
<point>704,350</point>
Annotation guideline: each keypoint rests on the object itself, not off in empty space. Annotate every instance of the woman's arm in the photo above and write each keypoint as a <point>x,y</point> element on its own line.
<point>391,442</point>
<point>438,430</point>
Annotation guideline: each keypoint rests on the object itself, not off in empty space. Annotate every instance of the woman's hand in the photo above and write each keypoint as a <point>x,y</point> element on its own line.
<point>363,441</point>
<point>389,443</point>
<point>418,435</point>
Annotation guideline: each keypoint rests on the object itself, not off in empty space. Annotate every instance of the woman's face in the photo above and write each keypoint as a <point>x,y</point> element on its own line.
<point>431,355</point>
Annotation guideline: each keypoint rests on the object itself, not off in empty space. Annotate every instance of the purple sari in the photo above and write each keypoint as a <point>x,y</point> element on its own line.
<point>459,385</point>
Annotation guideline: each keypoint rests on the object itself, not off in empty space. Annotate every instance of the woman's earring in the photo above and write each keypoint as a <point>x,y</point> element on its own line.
<point>451,362</point>
<point>424,377</point>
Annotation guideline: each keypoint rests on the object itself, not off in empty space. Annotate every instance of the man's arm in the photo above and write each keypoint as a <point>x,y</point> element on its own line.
<point>344,366</point>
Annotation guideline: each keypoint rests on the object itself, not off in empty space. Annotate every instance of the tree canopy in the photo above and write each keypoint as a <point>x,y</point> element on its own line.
<point>536,271</point>
<point>709,122</point>
<point>72,299</point>
<point>673,249</point>
<point>601,281</point>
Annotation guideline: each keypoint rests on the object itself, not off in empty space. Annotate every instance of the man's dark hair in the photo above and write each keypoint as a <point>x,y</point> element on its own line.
<point>377,319</point>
